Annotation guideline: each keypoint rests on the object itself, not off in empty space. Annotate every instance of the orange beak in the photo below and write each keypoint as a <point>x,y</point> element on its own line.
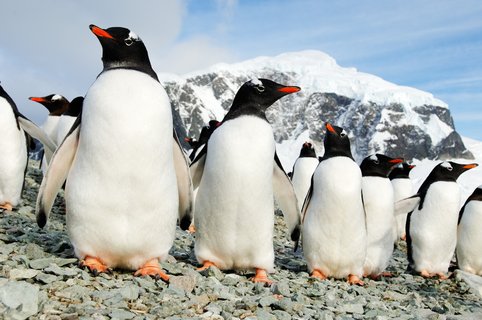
<point>289,89</point>
<point>38,99</point>
<point>470,166</point>
<point>330,128</point>
<point>100,32</point>
<point>395,161</point>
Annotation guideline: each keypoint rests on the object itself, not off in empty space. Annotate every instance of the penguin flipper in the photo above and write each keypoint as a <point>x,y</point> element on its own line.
<point>286,198</point>
<point>407,205</point>
<point>34,131</point>
<point>197,167</point>
<point>56,174</point>
<point>184,185</point>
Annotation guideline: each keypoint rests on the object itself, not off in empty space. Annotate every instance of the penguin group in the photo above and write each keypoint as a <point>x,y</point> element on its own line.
<point>129,182</point>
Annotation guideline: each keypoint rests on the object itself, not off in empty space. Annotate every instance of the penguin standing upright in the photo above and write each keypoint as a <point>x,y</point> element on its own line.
<point>334,233</point>
<point>127,177</point>
<point>303,169</point>
<point>68,118</point>
<point>432,225</point>
<point>238,175</point>
<point>402,188</point>
<point>469,234</point>
<point>14,154</point>
<point>377,192</point>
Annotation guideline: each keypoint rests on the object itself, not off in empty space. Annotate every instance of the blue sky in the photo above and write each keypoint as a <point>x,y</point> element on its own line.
<point>434,45</point>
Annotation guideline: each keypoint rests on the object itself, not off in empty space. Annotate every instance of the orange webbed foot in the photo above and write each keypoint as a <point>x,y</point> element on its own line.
<point>206,265</point>
<point>152,268</point>
<point>318,274</point>
<point>353,279</point>
<point>442,276</point>
<point>6,206</point>
<point>95,265</point>
<point>191,229</point>
<point>426,274</point>
<point>262,276</point>
<point>404,237</point>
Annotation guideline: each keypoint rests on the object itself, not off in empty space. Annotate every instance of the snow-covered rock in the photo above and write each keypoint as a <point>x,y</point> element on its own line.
<point>380,116</point>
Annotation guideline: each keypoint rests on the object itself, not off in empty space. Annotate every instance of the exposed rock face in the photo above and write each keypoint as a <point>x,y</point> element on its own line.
<point>379,116</point>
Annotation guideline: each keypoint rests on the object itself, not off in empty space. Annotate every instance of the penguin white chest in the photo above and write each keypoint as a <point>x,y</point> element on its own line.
<point>121,191</point>
<point>469,239</point>
<point>334,235</point>
<point>433,229</point>
<point>381,233</point>
<point>14,156</point>
<point>302,173</point>
<point>234,211</point>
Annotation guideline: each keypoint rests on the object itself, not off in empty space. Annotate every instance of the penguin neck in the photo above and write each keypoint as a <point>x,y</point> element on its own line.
<point>331,153</point>
<point>307,153</point>
<point>144,67</point>
<point>245,110</point>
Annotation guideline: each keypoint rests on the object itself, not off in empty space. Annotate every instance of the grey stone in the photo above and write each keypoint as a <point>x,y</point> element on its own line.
<point>22,274</point>
<point>121,314</point>
<point>34,251</point>
<point>281,288</point>
<point>55,269</point>
<point>352,308</point>
<point>281,315</point>
<point>262,314</point>
<point>267,301</point>
<point>213,272</point>
<point>130,292</point>
<point>20,298</point>
<point>186,283</point>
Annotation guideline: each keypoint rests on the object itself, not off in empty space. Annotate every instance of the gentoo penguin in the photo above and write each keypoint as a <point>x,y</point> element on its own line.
<point>432,225</point>
<point>402,188</point>
<point>238,174</point>
<point>334,233</point>
<point>302,171</point>
<point>469,235</point>
<point>127,177</point>
<point>56,105</point>
<point>14,155</point>
<point>377,192</point>
<point>68,118</point>
<point>206,132</point>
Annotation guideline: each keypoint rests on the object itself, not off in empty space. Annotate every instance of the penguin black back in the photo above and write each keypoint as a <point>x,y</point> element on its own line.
<point>255,96</point>
<point>75,107</point>
<point>378,165</point>
<point>475,196</point>
<point>336,142</point>
<point>122,48</point>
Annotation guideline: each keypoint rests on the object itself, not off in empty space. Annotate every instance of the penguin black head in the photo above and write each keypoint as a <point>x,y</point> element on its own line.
<point>257,95</point>
<point>401,171</point>
<point>307,150</point>
<point>336,142</point>
<point>75,107</point>
<point>55,103</point>
<point>122,48</point>
<point>449,171</point>
<point>207,131</point>
<point>378,165</point>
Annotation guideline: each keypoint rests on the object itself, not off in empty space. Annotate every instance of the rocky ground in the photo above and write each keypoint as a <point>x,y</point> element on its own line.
<point>40,279</point>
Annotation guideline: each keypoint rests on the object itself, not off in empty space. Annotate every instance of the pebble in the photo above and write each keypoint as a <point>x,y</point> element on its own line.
<point>39,279</point>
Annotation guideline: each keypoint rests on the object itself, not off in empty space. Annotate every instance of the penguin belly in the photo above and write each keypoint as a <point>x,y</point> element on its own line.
<point>13,159</point>
<point>334,234</point>
<point>121,192</point>
<point>433,229</point>
<point>381,233</point>
<point>402,188</point>
<point>234,211</point>
<point>303,171</point>
<point>469,239</point>
<point>63,128</point>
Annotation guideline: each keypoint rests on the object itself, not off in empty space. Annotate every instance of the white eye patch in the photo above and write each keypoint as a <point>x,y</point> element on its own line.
<point>256,82</point>
<point>446,165</point>
<point>374,157</point>
<point>56,97</point>
<point>133,36</point>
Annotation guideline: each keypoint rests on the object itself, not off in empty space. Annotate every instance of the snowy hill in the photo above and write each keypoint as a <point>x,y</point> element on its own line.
<point>379,116</point>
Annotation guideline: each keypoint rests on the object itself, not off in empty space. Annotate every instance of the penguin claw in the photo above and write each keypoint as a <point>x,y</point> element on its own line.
<point>262,276</point>
<point>6,206</point>
<point>353,279</point>
<point>318,274</point>
<point>152,268</point>
<point>94,265</point>
<point>206,265</point>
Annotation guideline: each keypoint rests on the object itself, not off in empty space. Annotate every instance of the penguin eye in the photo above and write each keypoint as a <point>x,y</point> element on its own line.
<point>128,41</point>
<point>450,168</point>
<point>343,134</point>
<point>260,88</point>
<point>376,161</point>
